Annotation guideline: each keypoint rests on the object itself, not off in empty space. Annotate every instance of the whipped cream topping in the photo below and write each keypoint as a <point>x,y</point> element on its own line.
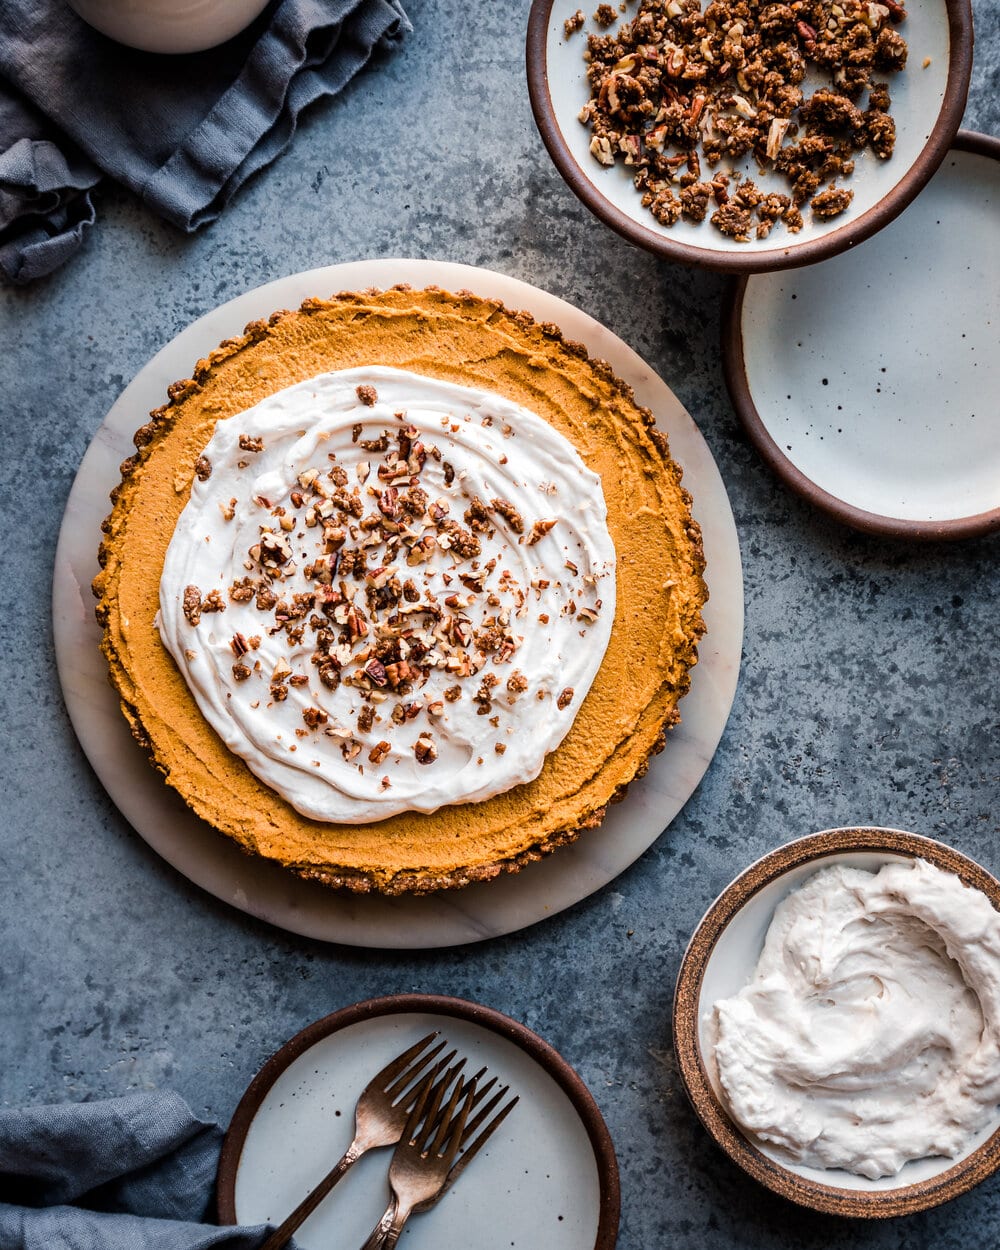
<point>389,593</point>
<point>869,1034</point>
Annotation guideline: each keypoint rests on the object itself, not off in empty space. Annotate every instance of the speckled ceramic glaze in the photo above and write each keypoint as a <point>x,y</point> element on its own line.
<point>720,960</point>
<point>547,1177</point>
<point>927,105</point>
<point>869,384</point>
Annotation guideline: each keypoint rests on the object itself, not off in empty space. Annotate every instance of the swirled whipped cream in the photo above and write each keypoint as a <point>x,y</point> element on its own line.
<point>869,1034</point>
<point>389,593</point>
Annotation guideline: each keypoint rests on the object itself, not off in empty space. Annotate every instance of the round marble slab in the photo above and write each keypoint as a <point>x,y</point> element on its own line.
<point>546,1177</point>
<point>265,890</point>
<point>869,383</point>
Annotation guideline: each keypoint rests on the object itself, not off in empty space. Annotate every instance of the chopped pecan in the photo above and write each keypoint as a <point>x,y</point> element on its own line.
<point>379,752</point>
<point>425,750</point>
<point>539,530</point>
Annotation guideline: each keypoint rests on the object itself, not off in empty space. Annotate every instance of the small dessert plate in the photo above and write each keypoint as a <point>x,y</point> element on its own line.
<point>869,383</point>
<point>720,960</point>
<point>547,1177</point>
<point>928,98</point>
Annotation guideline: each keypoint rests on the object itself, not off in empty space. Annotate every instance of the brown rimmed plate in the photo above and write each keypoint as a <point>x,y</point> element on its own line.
<point>928,99</point>
<point>548,1176</point>
<point>719,961</point>
<point>868,384</point>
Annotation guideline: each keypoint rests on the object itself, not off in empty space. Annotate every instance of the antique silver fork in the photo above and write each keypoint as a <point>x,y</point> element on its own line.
<point>380,1118</point>
<point>424,1166</point>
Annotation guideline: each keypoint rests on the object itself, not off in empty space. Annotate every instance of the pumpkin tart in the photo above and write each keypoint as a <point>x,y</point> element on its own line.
<point>432,597</point>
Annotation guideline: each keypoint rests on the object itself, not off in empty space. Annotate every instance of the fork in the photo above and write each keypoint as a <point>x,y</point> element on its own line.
<point>380,1118</point>
<point>468,1144</point>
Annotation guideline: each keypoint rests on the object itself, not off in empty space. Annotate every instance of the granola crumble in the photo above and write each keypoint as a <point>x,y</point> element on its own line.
<point>677,90</point>
<point>368,395</point>
<point>574,23</point>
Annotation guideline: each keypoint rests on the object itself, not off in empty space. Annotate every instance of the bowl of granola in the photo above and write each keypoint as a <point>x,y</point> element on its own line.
<point>748,137</point>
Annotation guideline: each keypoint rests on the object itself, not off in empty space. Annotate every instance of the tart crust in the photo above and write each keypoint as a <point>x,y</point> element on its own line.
<point>660,589</point>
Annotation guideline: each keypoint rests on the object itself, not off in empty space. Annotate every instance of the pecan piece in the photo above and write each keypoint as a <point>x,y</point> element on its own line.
<point>379,752</point>
<point>539,530</point>
<point>425,750</point>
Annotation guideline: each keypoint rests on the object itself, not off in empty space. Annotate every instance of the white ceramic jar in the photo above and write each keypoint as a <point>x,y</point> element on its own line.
<point>169,25</point>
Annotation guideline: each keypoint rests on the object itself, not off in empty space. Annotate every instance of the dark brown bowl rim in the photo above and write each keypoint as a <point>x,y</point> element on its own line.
<point>809,251</point>
<point>734,371</point>
<point>609,1198</point>
<point>831,1199</point>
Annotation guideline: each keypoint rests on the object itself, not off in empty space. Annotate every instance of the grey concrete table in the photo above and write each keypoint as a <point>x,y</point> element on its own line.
<point>868,691</point>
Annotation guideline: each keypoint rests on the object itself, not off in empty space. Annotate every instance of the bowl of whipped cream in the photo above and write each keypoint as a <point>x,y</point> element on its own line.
<point>837,1022</point>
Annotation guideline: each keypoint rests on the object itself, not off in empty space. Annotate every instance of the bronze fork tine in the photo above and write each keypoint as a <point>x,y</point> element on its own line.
<point>474,1134</point>
<point>469,1152</point>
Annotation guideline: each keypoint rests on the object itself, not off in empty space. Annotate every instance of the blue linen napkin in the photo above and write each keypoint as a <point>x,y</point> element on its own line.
<point>129,1173</point>
<point>182,132</point>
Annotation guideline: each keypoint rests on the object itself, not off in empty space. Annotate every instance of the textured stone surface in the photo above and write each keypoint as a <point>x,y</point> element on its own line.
<point>868,691</point>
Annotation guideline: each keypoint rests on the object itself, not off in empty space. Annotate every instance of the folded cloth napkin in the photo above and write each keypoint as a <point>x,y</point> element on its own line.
<point>182,132</point>
<point>130,1173</point>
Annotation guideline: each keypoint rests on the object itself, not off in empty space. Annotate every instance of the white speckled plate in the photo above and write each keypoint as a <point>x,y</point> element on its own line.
<point>266,890</point>
<point>870,382</point>
<point>546,1178</point>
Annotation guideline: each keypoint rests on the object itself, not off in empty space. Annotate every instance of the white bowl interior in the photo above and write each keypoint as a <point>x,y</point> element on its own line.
<point>917,94</point>
<point>889,362</point>
<point>730,966</point>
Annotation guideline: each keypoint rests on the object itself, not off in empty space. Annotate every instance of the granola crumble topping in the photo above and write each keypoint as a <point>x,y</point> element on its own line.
<point>677,90</point>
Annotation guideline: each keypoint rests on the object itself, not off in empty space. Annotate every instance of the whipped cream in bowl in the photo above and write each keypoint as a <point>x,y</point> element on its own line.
<point>389,592</point>
<point>837,1021</point>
